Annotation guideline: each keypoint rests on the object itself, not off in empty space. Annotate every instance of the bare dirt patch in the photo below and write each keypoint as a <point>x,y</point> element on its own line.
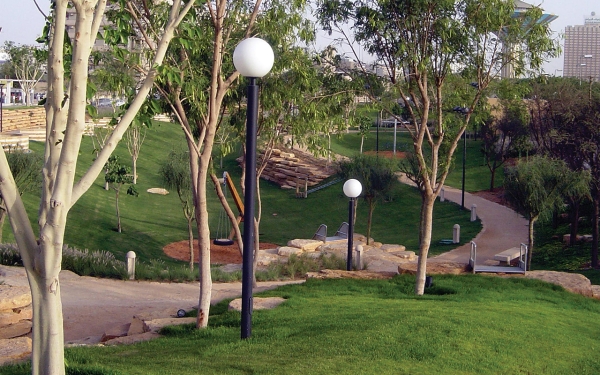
<point>218,254</point>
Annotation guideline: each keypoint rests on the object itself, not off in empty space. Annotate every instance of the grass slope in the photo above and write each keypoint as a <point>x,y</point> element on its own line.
<point>468,324</point>
<point>151,221</point>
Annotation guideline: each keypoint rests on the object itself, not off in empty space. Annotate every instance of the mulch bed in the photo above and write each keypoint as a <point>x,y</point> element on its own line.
<point>218,254</point>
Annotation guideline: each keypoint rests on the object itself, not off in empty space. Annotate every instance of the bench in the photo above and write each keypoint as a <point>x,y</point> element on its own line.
<point>521,254</point>
<point>507,256</point>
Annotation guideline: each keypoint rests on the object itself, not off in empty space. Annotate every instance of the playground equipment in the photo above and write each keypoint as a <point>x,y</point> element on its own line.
<point>341,234</point>
<point>224,224</point>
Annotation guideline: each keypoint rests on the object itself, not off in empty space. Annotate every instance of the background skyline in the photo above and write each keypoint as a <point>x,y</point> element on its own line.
<point>22,23</point>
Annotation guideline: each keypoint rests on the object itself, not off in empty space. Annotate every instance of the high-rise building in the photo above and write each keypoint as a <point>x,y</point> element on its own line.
<point>582,49</point>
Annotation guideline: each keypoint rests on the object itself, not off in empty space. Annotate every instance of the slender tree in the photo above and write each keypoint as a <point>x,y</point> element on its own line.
<point>175,174</point>
<point>28,65</point>
<point>116,176</point>
<point>419,42</point>
<point>377,176</point>
<point>537,186</point>
<point>65,124</point>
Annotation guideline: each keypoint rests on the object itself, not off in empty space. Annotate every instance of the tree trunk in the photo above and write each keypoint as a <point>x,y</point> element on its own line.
<point>118,213</point>
<point>2,219</point>
<point>47,329</point>
<point>425,228</point>
<point>493,178</point>
<point>370,218</point>
<point>362,141</point>
<point>574,214</point>
<point>191,241</point>
<point>203,247</point>
<point>530,241</point>
<point>135,170</point>
<point>595,233</point>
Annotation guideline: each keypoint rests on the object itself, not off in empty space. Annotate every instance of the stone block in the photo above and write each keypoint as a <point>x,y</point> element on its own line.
<point>14,297</point>
<point>410,255</point>
<point>19,329</point>
<point>305,245</point>
<point>286,251</point>
<point>137,323</point>
<point>14,350</point>
<point>115,332</point>
<point>14,315</point>
<point>391,248</point>
<point>127,340</point>
<point>573,282</point>
<point>258,303</point>
<point>157,324</point>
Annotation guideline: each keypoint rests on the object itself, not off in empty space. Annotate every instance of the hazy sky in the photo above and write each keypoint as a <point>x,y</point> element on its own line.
<point>22,23</point>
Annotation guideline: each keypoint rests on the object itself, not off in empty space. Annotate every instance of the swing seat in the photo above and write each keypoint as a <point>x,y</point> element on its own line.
<point>223,241</point>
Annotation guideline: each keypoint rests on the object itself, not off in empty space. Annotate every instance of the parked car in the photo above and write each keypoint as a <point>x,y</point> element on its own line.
<point>103,102</point>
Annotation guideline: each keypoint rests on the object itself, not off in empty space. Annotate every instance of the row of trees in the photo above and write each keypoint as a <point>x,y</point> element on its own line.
<point>185,66</point>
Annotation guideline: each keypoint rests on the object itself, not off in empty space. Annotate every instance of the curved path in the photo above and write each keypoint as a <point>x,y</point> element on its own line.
<point>503,228</point>
<point>91,306</point>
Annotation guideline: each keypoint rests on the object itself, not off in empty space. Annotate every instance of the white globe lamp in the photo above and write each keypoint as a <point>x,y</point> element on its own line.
<point>253,57</point>
<point>352,188</point>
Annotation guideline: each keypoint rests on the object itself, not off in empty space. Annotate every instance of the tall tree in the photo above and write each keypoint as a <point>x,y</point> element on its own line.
<point>196,85</point>
<point>175,174</point>
<point>419,42</point>
<point>116,176</point>
<point>65,124</point>
<point>28,65</point>
<point>537,187</point>
<point>377,176</point>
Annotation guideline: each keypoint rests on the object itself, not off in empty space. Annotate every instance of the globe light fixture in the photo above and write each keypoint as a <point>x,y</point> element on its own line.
<point>253,58</point>
<point>352,189</point>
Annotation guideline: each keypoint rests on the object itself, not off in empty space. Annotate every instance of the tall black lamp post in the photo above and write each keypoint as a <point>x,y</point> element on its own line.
<point>352,189</point>
<point>253,58</point>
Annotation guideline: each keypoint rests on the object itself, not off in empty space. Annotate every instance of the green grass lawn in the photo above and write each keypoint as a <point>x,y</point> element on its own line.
<point>477,174</point>
<point>151,221</point>
<point>469,324</point>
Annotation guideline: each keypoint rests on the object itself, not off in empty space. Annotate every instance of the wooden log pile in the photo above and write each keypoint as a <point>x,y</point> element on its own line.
<point>296,168</point>
<point>14,119</point>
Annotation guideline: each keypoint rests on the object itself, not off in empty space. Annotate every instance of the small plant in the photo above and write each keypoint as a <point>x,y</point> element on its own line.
<point>9,255</point>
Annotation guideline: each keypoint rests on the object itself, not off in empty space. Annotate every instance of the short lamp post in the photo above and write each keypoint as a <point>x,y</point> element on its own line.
<point>352,189</point>
<point>253,58</point>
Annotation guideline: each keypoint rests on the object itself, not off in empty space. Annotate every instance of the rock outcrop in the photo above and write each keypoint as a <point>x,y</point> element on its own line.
<point>15,323</point>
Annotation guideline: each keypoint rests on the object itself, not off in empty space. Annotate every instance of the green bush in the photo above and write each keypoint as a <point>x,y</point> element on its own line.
<point>9,255</point>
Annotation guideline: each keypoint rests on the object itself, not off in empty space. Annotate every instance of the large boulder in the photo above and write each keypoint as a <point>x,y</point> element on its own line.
<point>286,251</point>
<point>14,297</point>
<point>340,274</point>
<point>305,245</point>
<point>391,248</point>
<point>15,315</point>
<point>258,303</point>
<point>573,282</point>
<point>435,268</point>
<point>19,329</point>
<point>14,350</point>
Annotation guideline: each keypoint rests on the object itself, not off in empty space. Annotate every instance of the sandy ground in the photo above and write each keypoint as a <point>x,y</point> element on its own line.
<point>92,306</point>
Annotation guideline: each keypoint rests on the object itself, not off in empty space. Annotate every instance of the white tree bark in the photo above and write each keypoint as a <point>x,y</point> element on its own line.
<point>65,123</point>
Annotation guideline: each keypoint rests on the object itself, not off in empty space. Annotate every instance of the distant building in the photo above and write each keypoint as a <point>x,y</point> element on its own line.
<point>582,49</point>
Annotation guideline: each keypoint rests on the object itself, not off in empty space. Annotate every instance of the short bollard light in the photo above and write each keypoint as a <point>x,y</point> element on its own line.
<point>359,260</point>
<point>442,195</point>
<point>474,212</point>
<point>352,189</point>
<point>131,265</point>
<point>456,233</point>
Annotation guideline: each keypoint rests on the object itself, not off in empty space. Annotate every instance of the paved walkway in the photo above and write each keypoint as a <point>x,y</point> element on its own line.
<point>502,229</point>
